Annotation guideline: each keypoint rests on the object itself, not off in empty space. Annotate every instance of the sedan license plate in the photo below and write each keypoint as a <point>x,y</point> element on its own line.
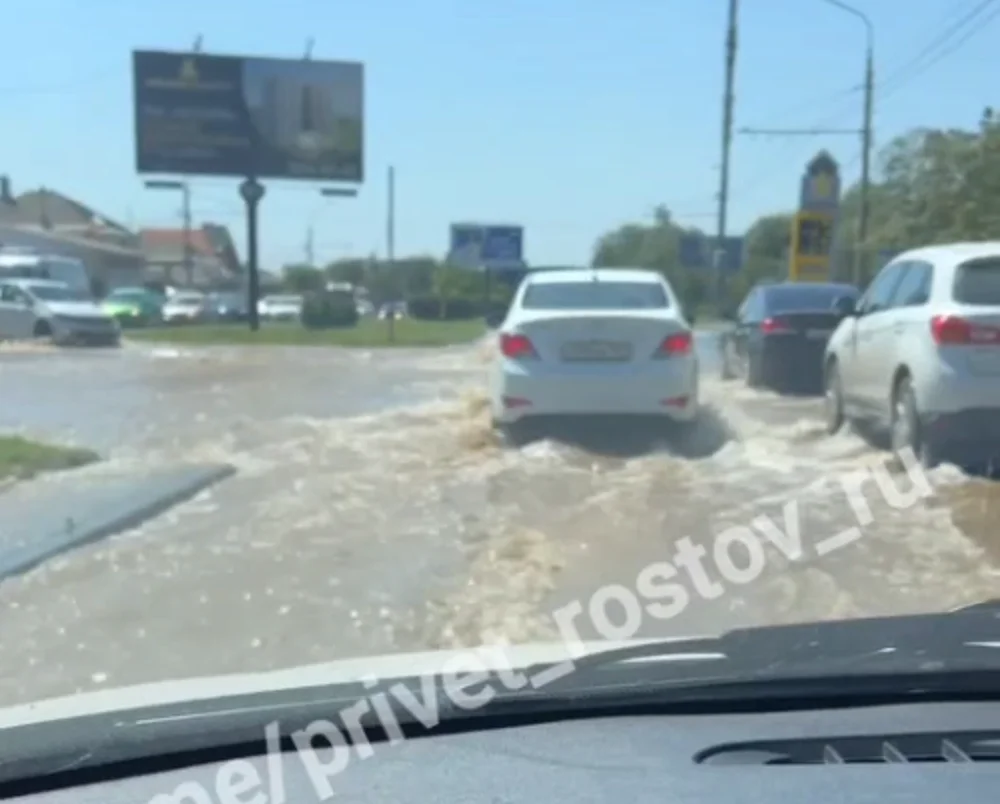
<point>598,351</point>
<point>818,334</point>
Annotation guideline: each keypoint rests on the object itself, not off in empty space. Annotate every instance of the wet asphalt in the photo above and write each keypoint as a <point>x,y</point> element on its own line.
<point>373,511</point>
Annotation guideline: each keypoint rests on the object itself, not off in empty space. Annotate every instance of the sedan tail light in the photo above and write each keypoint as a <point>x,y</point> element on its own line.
<point>679,343</point>
<point>949,330</point>
<point>774,326</point>
<point>516,347</point>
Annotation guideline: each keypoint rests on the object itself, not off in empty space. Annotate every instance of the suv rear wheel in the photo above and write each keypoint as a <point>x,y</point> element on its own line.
<point>833,399</point>
<point>904,427</point>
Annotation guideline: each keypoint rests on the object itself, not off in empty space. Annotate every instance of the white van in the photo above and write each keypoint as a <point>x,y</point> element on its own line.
<point>15,264</point>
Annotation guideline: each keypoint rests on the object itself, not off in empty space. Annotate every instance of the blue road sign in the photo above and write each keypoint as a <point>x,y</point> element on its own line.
<point>697,253</point>
<point>486,246</point>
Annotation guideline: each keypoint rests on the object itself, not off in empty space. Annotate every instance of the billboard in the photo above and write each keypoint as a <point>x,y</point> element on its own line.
<point>240,116</point>
<point>474,245</point>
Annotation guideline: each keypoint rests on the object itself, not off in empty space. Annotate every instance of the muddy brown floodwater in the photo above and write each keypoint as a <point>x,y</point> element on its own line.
<point>374,512</point>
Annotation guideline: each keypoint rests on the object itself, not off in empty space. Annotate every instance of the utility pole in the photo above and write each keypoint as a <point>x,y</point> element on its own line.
<point>728,102</point>
<point>188,251</point>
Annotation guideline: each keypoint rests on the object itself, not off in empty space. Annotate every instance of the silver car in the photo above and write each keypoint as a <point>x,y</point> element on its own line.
<point>37,308</point>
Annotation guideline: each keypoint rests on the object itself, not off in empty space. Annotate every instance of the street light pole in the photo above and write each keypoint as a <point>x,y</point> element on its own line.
<point>866,130</point>
<point>866,150</point>
<point>390,246</point>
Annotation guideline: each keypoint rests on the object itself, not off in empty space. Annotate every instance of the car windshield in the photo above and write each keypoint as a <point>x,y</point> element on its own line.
<point>792,299</point>
<point>594,295</point>
<point>57,293</point>
<point>474,324</point>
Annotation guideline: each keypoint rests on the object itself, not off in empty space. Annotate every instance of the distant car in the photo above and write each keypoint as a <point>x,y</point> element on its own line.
<point>134,307</point>
<point>393,310</point>
<point>919,354</point>
<point>186,307</point>
<point>280,308</point>
<point>229,306</point>
<point>778,335</point>
<point>36,308</point>
<point>593,341</point>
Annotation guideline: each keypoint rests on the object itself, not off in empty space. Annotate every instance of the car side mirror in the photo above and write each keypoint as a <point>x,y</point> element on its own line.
<point>846,305</point>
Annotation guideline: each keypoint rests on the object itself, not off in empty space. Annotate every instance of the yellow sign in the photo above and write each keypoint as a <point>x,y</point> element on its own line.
<point>189,71</point>
<point>812,240</point>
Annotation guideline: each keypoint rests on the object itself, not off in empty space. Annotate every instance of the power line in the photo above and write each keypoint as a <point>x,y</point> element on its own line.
<point>911,69</point>
<point>917,64</point>
<point>941,55</point>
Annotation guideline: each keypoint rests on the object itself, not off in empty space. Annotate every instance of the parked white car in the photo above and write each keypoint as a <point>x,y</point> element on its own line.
<point>37,308</point>
<point>280,308</point>
<point>919,355</point>
<point>186,307</point>
<point>593,341</point>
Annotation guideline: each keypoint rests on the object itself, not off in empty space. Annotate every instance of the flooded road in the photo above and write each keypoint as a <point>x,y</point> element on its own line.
<point>373,511</point>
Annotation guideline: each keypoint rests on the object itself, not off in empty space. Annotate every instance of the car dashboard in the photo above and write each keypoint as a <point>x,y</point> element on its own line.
<point>834,755</point>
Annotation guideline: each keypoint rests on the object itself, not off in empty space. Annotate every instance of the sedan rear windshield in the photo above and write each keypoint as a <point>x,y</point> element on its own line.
<point>595,296</point>
<point>978,282</point>
<point>805,298</point>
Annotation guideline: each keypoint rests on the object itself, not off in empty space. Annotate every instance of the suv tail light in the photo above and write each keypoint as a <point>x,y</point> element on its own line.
<point>773,326</point>
<point>516,347</point>
<point>679,343</point>
<point>949,330</point>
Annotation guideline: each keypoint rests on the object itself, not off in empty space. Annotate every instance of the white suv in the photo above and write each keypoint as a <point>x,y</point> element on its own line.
<point>919,355</point>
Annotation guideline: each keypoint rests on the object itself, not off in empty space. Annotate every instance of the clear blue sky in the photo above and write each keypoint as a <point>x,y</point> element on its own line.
<point>568,116</point>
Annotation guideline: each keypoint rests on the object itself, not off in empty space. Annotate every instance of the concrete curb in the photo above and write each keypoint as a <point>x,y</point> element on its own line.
<point>32,552</point>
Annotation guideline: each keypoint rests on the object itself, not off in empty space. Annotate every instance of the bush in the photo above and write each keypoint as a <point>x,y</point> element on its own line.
<point>329,311</point>
<point>430,308</point>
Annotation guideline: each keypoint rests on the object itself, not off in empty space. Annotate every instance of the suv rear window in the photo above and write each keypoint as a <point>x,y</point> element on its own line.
<point>595,296</point>
<point>978,282</point>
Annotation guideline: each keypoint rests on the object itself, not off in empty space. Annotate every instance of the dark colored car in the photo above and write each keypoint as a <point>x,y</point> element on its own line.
<point>778,335</point>
<point>229,305</point>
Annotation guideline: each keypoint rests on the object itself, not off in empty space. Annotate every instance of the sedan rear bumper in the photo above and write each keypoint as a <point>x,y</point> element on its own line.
<point>663,391</point>
<point>793,359</point>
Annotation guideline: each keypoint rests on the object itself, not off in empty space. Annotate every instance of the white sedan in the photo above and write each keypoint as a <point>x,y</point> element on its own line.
<point>593,341</point>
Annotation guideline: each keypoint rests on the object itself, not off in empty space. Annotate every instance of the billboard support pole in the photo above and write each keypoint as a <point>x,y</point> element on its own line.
<point>252,191</point>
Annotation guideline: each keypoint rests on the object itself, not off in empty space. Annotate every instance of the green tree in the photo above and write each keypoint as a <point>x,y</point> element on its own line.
<point>302,278</point>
